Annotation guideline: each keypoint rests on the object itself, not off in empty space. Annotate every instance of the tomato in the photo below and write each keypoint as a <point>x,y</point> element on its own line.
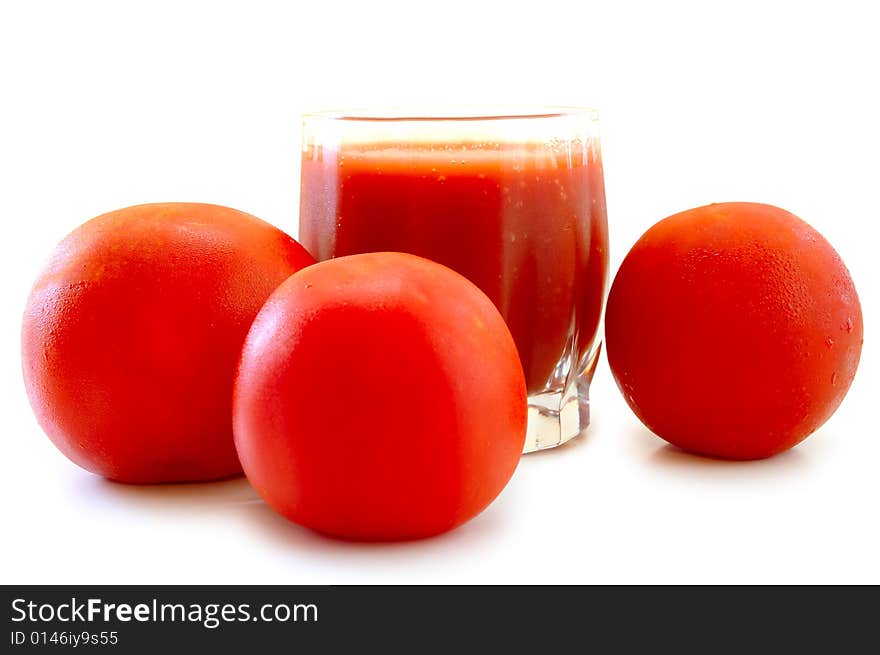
<point>733,330</point>
<point>379,397</point>
<point>132,334</point>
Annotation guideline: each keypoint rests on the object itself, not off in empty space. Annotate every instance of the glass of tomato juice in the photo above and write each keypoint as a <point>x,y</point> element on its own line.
<point>515,202</point>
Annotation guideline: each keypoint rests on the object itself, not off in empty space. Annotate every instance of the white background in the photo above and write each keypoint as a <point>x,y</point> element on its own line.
<point>104,105</point>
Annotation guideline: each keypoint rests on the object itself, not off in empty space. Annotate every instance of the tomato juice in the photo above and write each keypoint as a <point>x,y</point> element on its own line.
<point>524,221</point>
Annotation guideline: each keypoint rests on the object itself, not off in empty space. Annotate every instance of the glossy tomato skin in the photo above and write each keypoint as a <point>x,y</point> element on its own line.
<point>379,397</point>
<point>132,333</point>
<point>733,330</point>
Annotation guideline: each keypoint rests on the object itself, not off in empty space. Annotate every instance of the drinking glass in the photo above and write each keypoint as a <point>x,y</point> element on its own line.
<point>514,201</point>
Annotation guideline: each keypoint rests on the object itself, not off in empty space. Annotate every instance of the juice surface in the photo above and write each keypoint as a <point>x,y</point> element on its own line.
<point>526,223</point>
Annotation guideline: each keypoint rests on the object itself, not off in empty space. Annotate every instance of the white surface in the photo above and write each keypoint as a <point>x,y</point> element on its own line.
<point>106,105</point>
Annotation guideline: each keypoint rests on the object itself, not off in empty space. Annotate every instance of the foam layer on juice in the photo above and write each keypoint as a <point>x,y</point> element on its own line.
<point>456,156</point>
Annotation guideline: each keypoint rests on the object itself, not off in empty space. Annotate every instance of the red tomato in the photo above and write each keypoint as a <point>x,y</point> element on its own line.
<point>733,330</point>
<point>132,334</point>
<point>379,397</point>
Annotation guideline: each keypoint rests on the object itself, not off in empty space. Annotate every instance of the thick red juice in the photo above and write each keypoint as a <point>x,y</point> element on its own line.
<point>526,223</point>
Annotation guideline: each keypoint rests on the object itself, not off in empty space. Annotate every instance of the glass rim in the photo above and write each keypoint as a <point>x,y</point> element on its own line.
<point>452,115</point>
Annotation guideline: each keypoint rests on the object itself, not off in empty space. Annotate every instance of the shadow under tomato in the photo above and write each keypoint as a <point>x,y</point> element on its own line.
<point>178,497</point>
<point>671,457</point>
<point>236,497</point>
<point>296,538</point>
<point>666,458</point>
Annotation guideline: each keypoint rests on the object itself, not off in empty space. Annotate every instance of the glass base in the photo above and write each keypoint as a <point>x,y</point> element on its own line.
<point>556,417</point>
